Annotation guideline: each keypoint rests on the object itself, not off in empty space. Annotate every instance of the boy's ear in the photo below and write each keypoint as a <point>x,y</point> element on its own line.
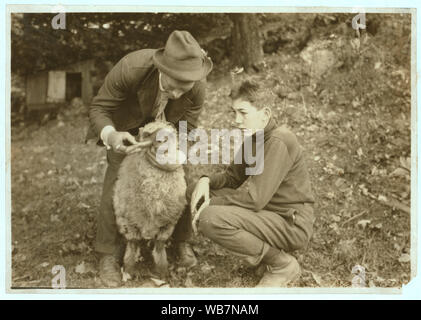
<point>268,112</point>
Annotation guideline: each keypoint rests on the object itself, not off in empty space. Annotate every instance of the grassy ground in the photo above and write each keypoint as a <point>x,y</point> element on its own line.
<point>353,121</point>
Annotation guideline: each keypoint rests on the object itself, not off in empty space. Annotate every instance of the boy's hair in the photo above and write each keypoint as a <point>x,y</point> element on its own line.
<point>251,91</point>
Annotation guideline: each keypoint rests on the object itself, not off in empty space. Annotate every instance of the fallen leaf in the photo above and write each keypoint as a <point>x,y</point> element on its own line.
<point>363,223</point>
<point>399,172</point>
<point>39,149</point>
<point>345,248</point>
<point>181,270</point>
<point>219,251</point>
<point>382,172</point>
<point>378,226</point>
<point>40,175</point>
<point>188,283</point>
<point>158,282</point>
<point>334,227</point>
<point>339,182</point>
<point>19,257</point>
<point>81,268</point>
<point>206,268</point>
<point>27,208</point>
<point>397,247</point>
<point>382,198</point>
<point>330,195</point>
<point>363,189</point>
<point>82,205</point>
<point>374,171</point>
<point>317,279</point>
<point>404,258</point>
<point>335,218</point>
<point>54,218</point>
<point>405,163</point>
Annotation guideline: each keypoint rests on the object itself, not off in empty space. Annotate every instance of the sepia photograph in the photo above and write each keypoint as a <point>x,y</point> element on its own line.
<point>190,149</point>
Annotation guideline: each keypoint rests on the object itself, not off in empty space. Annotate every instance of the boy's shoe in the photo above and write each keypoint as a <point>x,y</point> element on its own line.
<point>280,276</point>
<point>109,271</point>
<point>186,255</point>
<point>260,270</point>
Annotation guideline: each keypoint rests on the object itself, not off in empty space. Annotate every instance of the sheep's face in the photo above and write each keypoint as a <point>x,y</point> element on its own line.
<point>160,133</point>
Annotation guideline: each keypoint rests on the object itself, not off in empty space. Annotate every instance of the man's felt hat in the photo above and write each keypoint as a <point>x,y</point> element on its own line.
<point>182,58</point>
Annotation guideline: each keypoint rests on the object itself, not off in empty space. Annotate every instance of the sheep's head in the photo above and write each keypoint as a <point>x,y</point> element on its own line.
<point>164,147</point>
<point>149,131</point>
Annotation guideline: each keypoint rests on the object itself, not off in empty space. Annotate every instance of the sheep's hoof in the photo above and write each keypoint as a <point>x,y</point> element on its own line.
<point>131,257</point>
<point>159,255</point>
<point>130,271</point>
<point>125,275</point>
<point>161,270</point>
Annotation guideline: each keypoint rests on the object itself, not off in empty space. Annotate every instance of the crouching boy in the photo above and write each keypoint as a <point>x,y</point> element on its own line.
<point>275,215</point>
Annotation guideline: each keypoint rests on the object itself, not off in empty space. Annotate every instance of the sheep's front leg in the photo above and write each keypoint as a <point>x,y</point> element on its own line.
<point>159,255</point>
<point>131,257</point>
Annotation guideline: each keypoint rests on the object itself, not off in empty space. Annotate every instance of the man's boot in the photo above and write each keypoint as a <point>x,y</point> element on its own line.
<point>186,255</point>
<point>109,271</point>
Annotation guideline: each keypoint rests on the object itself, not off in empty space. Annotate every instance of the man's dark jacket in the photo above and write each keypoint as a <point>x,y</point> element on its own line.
<point>127,97</point>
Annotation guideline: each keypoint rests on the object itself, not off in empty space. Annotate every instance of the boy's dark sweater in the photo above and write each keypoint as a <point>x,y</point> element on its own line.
<point>284,180</point>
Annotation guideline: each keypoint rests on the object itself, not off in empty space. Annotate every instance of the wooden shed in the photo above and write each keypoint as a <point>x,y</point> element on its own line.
<point>50,89</point>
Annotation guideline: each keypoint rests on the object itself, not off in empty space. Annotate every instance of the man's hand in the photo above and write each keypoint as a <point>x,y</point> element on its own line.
<point>121,141</point>
<point>200,191</point>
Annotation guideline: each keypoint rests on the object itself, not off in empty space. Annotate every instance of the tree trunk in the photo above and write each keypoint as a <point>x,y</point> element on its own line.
<point>246,44</point>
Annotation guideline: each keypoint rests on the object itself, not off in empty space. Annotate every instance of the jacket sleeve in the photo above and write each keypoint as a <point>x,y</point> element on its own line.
<point>233,177</point>
<point>110,96</point>
<point>261,188</point>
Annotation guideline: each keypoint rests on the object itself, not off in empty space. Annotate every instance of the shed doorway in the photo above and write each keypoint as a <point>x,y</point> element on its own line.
<point>73,85</point>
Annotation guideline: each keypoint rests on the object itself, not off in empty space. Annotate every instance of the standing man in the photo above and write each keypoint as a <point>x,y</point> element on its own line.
<point>145,85</point>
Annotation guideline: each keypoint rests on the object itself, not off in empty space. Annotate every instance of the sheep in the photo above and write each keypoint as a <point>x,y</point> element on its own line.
<point>148,200</point>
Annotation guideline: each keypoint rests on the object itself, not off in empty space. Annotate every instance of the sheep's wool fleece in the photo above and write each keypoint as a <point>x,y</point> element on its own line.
<point>148,201</point>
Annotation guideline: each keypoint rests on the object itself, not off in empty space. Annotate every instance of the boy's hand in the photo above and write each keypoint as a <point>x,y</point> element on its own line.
<point>197,215</point>
<point>200,191</point>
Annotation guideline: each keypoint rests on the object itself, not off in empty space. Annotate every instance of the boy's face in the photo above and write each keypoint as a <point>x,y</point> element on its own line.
<point>248,116</point>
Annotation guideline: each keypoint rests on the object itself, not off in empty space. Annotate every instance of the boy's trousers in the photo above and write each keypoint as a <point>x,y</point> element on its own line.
<point>250,234</point>
<point>108,239</point>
